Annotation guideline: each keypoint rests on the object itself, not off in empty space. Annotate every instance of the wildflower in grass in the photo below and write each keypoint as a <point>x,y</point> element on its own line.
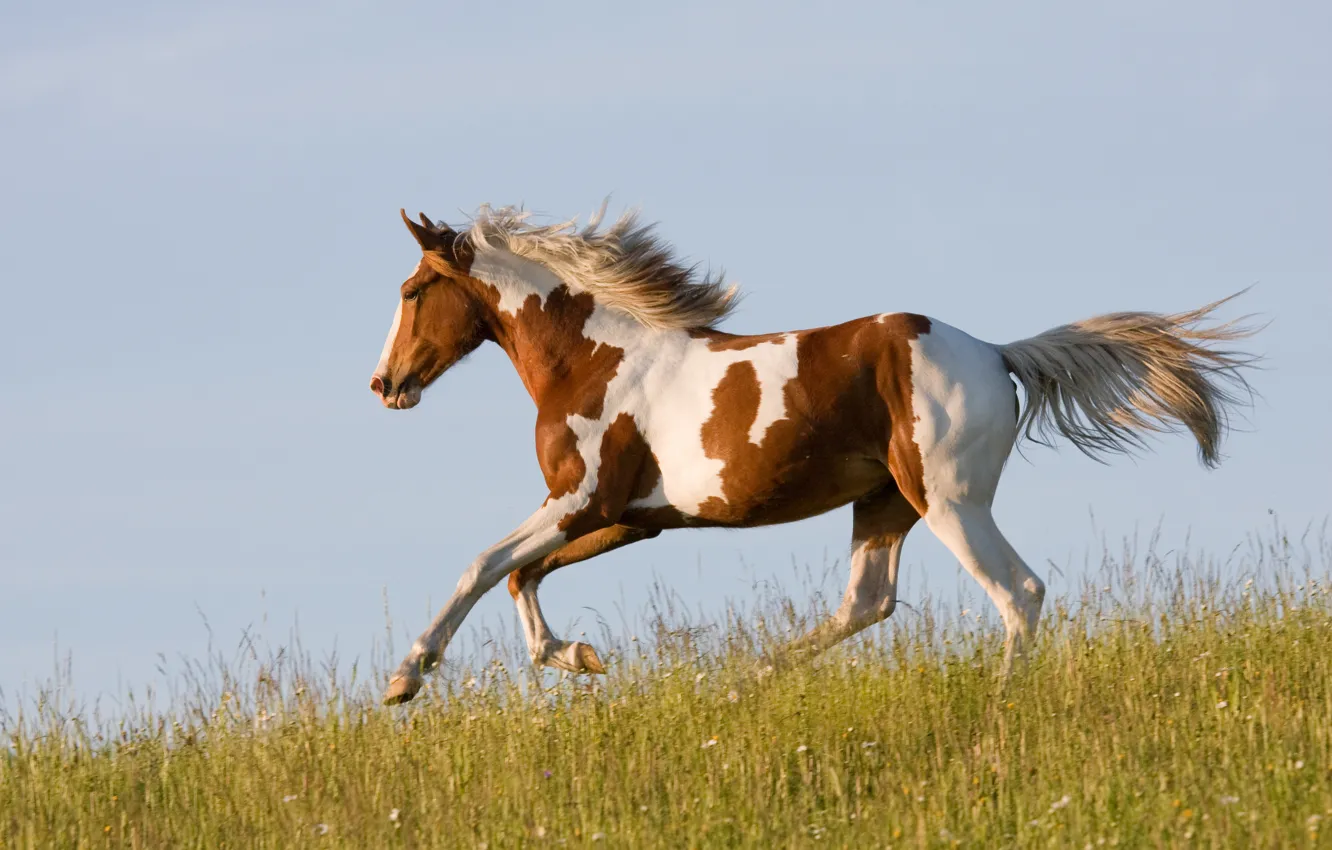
<point>1299,765</point>
<point>598,836</point>
<point>711,742</point>
<point>394,814</point>
<point>290,797</point>
<point>802,748</point>
<point>733,696</point>
<point>546,774</point>
<point>1222,704</point>
<point>1060,803</point>
<point>1228,799</point>
<point>321,829</point>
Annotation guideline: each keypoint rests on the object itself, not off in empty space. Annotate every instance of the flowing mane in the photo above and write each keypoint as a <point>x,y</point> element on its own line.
<point>625,267</point>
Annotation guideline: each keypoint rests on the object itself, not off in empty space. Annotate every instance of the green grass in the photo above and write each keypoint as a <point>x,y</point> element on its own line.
<point>1180,706</point>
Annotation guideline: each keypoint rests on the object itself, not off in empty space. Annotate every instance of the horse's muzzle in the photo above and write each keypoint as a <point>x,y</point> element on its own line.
<point>406,394</point>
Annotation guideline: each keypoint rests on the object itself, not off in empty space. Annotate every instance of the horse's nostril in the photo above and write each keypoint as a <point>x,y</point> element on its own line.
<point>380,385</point>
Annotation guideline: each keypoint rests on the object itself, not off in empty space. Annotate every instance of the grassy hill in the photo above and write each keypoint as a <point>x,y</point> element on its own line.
<point>1186,701</point>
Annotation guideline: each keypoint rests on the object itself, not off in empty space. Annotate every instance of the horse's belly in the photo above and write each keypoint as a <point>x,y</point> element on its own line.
<point>757,493</point>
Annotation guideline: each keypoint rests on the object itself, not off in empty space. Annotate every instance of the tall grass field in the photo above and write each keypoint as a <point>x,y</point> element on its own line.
<point>1172,700</point>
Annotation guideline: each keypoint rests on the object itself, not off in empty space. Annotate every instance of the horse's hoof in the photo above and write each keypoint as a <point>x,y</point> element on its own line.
<point>401,690</point>
<point>588,660</point>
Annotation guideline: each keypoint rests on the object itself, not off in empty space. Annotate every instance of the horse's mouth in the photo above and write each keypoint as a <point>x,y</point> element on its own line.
<point>404,398</point>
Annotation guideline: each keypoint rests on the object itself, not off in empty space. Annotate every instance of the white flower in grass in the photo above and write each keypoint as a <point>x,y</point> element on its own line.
<point>1222,704</point>
<point>394,815</point>
<point>1299,765</point>
<point>733,696</point>
<point>321,829</point>
<point>290,797</point>
<point>1228,799</point>
<point>711,742</point>
<point>802,748</point>
<point>598,836</point>
<point>1060,803</point>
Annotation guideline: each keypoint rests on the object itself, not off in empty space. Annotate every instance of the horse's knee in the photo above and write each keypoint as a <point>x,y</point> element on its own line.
<point>886,608</point>
<point>1035,590</point>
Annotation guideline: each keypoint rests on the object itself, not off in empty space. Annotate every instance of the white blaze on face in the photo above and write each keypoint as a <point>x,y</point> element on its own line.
<point>393,331</point>
<point>388,343</point>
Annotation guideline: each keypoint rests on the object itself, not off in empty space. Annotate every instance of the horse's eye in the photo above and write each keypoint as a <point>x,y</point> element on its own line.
<point>412,296</point>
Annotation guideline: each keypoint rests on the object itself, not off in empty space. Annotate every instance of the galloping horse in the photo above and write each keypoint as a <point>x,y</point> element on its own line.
<point>650,418</point>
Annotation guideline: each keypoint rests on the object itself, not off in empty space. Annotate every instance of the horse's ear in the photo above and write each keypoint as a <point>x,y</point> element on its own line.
<point>438,228</point>
<point>427,235</point>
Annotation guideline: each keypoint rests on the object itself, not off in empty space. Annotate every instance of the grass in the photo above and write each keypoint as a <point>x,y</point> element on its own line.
<point>1170,702</point>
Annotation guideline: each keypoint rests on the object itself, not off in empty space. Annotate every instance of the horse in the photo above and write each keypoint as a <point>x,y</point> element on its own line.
<point>651,418</point>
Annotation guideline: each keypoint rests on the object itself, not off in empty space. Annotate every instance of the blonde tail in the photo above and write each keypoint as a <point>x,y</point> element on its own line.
<point>1103,382</point>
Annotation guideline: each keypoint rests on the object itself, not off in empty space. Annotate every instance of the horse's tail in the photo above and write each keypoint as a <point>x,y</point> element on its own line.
<point>1103,382</point>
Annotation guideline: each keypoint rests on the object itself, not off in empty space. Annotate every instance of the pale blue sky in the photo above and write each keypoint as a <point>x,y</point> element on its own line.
<point>201,249</point>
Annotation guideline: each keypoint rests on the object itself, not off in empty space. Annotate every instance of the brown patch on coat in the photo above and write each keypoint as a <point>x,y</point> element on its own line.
<point>587,546</point>
<point>895,385</point>
<point>847,431</point>
<point>881,519</point>
<point>564,371</point>
<point>623,450</point>
<point>722,341</point>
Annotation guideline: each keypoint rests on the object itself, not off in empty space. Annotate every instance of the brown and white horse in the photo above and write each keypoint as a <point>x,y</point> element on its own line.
<point>649,418</point>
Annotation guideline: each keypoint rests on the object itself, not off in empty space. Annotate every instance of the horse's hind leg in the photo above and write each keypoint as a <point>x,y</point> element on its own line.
<point>544,648</point>
<point>880,523</point>
<point>969,531</point>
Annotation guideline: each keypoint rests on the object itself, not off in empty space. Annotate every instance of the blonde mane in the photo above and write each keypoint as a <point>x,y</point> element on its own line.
<point>624,267</point>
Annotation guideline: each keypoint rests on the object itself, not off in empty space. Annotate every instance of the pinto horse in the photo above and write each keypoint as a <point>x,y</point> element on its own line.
<point>651,418</point>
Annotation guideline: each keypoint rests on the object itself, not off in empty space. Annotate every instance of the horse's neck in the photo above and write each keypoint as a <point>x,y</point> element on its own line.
<point>553,336</point>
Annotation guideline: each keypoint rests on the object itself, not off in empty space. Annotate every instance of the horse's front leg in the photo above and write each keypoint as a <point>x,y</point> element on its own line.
<point>539,535</point>
<point>543,646</point>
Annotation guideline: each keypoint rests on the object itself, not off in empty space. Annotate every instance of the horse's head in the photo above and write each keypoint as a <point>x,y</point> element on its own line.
<point>439,320</point>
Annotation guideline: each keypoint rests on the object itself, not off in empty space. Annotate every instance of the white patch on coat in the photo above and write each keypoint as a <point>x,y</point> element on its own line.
<point>515,278</point>
<point>966,421</point>
<point>778,366</point>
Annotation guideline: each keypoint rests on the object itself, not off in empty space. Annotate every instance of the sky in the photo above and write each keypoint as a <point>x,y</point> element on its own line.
<point>200,253</point>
